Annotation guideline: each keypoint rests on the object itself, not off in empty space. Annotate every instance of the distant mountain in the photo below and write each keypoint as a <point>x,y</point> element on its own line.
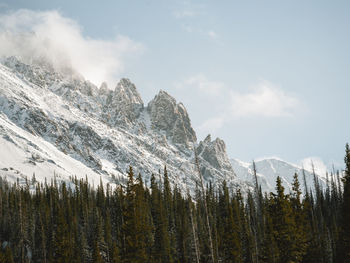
<point>62,125</point>
<point>268,170</point>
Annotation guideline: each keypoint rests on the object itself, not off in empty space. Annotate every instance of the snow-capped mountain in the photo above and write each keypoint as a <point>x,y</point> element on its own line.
<point>52,123</point>
<point>268,169</point>
<point>55,124</point>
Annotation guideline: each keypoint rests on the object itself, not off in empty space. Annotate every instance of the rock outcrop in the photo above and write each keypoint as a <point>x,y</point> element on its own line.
<point>125,104</point>
<point>172,118</point>
<point>52,123</point>
<point>213,155</point>
<point>103,130</point>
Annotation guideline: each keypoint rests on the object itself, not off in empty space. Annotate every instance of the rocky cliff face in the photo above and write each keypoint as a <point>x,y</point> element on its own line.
<point>171,118</point>
<point>52,123</point>
<point>101,129</point>
<point>124,105</point>
<point>212,156</point>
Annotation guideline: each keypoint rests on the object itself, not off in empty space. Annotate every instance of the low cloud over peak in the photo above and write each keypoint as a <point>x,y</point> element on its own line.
<point>48,35</point>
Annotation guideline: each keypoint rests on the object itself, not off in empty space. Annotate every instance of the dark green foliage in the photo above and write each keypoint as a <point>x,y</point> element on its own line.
<point>284,226</point>
<point>344,239</point>
<point>230,244</point>
<point>56,223</point>
<point>6,255</point>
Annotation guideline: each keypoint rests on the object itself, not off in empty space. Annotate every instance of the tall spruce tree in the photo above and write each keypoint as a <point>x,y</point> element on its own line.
<point>344,237</point>
<point>230,246</point>
<point>284,225</point>
<point>133,225</point>
<point>129,220</point>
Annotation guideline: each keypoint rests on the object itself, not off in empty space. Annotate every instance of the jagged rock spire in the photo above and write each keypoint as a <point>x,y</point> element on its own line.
<point>214,153</point>
<point>125,103</point>
<point>166,115</point>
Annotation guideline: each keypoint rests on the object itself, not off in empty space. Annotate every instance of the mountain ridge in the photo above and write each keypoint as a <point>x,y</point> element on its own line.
<point>104,130</point>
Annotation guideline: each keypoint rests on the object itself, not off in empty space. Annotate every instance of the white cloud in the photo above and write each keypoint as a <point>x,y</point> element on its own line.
<point>38,35</point>
<point>266,100</point>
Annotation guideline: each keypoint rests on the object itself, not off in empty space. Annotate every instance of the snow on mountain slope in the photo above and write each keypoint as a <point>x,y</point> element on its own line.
<point>93,131</point>
<point>61,124</point>
<point>267,171</point>
<point>24,154</point>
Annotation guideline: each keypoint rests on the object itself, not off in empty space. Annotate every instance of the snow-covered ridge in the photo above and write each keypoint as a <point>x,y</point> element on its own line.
<point>52,123</point>
<point>269,168</point>
<point>101,129</point>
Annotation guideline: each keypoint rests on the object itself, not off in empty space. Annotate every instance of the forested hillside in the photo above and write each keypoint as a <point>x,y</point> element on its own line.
<point>153,222</point>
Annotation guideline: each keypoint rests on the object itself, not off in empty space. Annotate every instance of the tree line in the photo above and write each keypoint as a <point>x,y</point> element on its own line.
<point>56,222</point>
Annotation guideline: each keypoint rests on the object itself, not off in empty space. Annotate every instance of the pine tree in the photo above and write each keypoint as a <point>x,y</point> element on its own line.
<point>115,255</point>
<point>39,238</point>
<point>142,228</point>
<point>344,237</point>
<point>230,246</point>
<point>269,250</point>
<point>129,223</point>
<point>161,245</point>
<point>301,226</point>
<point>6,255</point>
<point>60,224</point>
<point>284,225</point>
<point>61,244</point>
<point>169,212</point>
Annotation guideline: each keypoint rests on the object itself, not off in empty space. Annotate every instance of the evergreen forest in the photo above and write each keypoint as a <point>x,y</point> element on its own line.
<point>156,222</point>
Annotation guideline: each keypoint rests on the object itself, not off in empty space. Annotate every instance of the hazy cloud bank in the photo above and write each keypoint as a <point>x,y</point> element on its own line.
<point>48,35</point>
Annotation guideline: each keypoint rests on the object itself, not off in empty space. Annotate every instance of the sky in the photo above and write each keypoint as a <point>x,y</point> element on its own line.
<point>271,78</point>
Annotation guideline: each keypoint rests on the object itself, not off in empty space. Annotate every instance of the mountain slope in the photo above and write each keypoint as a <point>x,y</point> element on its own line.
<point>103,130</point>
<point>267,171</point>
<point>61,124</point>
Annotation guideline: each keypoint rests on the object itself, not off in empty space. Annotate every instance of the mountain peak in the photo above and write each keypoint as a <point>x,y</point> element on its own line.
<point>172,118</point>
<point>214,153</point>
<point>207,139</point>
<point>124,83</point>
<point>125,103</point>
<point>126,89</point>
<point>77,129</point>
<point>163,95</point>
<point>104,86</point>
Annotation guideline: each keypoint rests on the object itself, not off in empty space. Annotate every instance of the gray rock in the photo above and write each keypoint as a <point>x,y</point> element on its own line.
<point>125,104</point>
<point>95,125</point>
<point>213,154</point>
<point>171,118</point>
